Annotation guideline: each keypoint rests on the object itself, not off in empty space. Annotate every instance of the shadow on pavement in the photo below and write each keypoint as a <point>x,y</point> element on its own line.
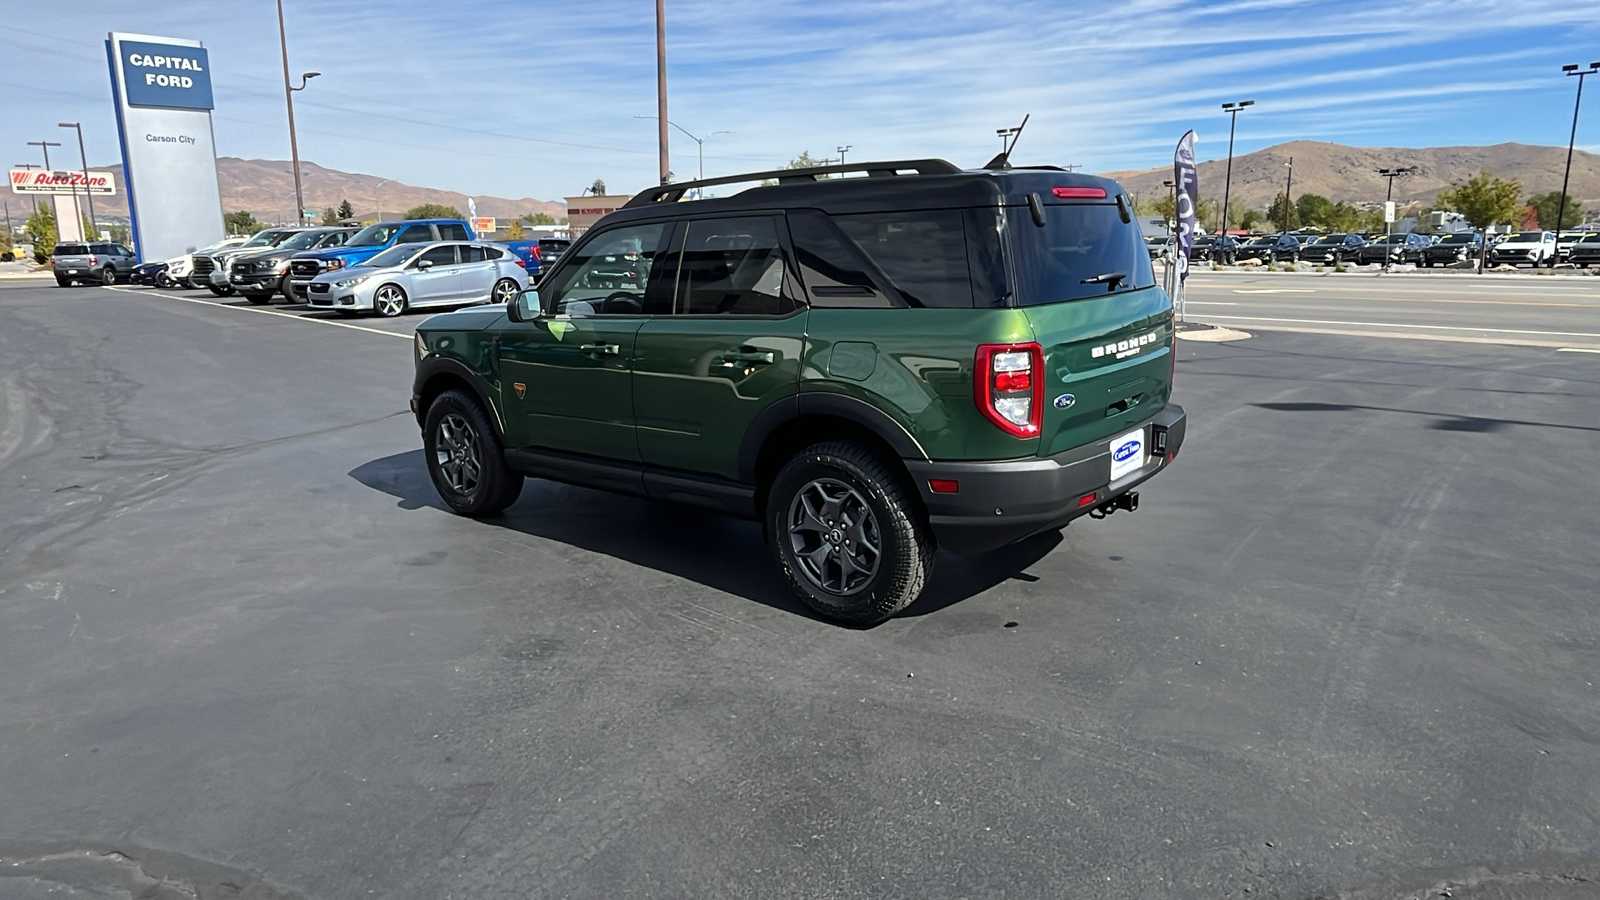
<point>1441,421</point>
<point>718,551</point>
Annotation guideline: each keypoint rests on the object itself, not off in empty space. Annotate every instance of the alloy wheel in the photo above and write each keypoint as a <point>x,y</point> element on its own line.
<point>504,290</point>
<point>389,301</point>
<point>456,449</point>
<point>834,536</point>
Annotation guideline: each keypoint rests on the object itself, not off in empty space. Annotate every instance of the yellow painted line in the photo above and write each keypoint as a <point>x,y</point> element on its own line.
<point>264,312</point>
<point>1407,325</point>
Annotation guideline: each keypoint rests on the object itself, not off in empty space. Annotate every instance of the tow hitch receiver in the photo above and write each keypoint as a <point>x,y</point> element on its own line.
<point>1128,501</point>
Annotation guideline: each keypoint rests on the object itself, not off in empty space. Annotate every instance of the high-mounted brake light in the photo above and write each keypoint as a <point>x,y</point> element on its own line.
<point>1079,193</point>
<point>1008,386</point>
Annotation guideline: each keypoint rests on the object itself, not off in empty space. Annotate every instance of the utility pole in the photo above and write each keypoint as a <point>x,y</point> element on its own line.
<point>1233,109</point>
<point>1072,167</point>
<point>288,99</point>
<point>1594,67</point>
<point>842,150</point>
<point>661,91</point>
<point>1288,194</point>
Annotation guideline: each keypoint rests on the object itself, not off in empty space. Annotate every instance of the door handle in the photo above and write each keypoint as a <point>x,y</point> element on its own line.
<point>748,358</point>
<point>599,350</point>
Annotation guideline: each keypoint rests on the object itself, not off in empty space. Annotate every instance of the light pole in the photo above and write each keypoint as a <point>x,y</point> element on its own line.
<point>842,150</point>
<point>1388,238</point>
<point>1594,67</point>
<point>699,141</point>
<point>377,201</point>
<point>1005,135</point>
<point>45,146</point>
<point>1288,194</point>
<point>288,99</point>
<point>1232,109</point>
<point>84,158</point>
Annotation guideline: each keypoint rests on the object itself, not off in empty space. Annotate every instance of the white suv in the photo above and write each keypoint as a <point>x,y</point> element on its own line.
<point>1532,247</point>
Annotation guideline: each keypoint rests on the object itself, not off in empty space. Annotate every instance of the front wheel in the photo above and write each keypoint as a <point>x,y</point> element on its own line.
<point>505,290</point>
<point>259,299</point>
<point>287,289</point>
<point>224,290</point>
<point>465,457</point>
<point>164,281</point>
<point>849,533</point>
<point>389,301</point>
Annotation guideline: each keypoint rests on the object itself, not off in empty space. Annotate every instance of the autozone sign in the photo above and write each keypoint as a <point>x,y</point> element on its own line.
<point>42,181</point>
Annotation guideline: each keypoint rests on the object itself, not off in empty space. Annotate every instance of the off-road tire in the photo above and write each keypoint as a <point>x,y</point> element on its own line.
<point>906,546</point>
<point>496,485</point>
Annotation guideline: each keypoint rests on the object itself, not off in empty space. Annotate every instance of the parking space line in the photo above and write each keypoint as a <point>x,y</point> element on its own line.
<point>1575,350</point>
<point>1407,325</point>
<point>265,312</point>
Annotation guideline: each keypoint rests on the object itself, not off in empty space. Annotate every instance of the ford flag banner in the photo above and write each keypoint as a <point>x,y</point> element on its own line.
<point>1188,191</point>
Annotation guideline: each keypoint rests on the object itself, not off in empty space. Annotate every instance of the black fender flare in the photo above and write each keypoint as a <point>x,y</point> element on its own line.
<point>434,366</point>
<point>812,403</point>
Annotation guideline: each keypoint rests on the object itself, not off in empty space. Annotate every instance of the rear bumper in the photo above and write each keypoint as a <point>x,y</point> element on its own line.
<point>1000,503</point>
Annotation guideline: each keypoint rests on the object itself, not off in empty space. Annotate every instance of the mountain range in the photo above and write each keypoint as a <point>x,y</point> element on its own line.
<point>1350,174</point>
<point>265,187</point>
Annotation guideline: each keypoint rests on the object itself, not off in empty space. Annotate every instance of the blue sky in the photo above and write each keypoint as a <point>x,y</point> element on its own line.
<point>535,98</point>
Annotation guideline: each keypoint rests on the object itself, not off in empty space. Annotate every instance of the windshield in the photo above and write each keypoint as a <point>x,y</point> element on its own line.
<point>1459,239</point>
<point>1591,239</point>
<point>394,256</point>
<point>1332,239</point>
<point>1077,254</point>
<point>1534,236</point>
<point>1264,240</point>
<point>374,235</point>
<point>265,239</point>
<point>302,241</point>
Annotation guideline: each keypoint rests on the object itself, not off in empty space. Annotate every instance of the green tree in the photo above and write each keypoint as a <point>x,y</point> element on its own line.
<point>598,188</point>
<point>41,230</point>
<point>330,216</point>
<point>1485,200</point>
<point>1313,210</point>
<point>514,231</point>
<point>346,211</point>
<point>121,235</point>
<point>1249,219</point>
<point>1548,205</point>
<point>241,222</point>
<point>433,211</point>
<point>1282,212</point>
<point>1342,217</point>
<point>1167,208</point>
<point>539,218</point>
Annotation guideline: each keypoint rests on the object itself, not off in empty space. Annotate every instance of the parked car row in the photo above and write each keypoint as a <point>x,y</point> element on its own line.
<point>1519,248</point>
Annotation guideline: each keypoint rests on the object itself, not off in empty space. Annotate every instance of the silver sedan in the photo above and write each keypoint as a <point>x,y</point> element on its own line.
<point>413,276</point>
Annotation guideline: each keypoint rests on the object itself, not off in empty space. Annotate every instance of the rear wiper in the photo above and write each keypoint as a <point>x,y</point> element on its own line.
<point>1107,278</point>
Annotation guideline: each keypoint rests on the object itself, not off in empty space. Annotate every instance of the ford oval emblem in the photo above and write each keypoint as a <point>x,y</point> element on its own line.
<point>1065,400</point>
<point>1126,451</point>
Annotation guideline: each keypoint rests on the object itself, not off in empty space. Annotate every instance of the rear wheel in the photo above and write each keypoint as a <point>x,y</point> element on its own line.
<point>465,457</point>
<point>848,532</point>
<point>63,282</point>
<point>108,276</point>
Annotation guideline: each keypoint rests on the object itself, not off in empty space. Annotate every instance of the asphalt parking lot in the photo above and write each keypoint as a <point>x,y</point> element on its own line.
<point>1347,645</point>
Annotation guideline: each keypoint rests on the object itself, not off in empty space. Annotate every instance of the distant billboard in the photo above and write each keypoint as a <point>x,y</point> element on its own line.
<point>43,181</point>
<point>162,89</point>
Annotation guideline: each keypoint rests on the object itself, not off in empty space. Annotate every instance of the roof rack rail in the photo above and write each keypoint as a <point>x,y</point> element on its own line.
<point>671,193</point>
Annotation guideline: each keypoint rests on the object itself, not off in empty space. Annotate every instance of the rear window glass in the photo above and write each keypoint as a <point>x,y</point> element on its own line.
<point>923,252</point>
<point>453,232</point>
<point>72,250</point>
<point>1078,244</point>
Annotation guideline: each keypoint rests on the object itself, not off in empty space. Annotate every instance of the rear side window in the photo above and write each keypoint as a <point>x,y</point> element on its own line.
<point>835,272</point>
<point>450,231</point>
<point>476,254</point>
<point>1077,254</point>
<point>923,252</point>
<point>732,267</point>
<point>415,234</point>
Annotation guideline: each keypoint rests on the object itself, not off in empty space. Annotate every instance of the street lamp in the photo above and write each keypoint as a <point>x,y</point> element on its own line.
<point>842,150</point>
<point>1388,238</point>
<point>1233,110</point>
<point>45,146</point>
<point>699,141</point>
<point>376,199</point>
<point>83,157</point>
<point>1594,68</point>
<point>288,99</point>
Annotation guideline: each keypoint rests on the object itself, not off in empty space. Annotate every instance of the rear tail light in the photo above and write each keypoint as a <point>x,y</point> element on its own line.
<point>1008,384</point>
<point>534,251</point>
<point>93,260</point>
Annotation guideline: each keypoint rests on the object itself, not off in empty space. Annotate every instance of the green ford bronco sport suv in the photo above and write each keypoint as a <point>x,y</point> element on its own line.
<point>874,360</point>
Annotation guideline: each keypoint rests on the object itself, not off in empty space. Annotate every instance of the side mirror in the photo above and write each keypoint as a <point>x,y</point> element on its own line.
<point>526,306</point>
<point>424,264</point>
